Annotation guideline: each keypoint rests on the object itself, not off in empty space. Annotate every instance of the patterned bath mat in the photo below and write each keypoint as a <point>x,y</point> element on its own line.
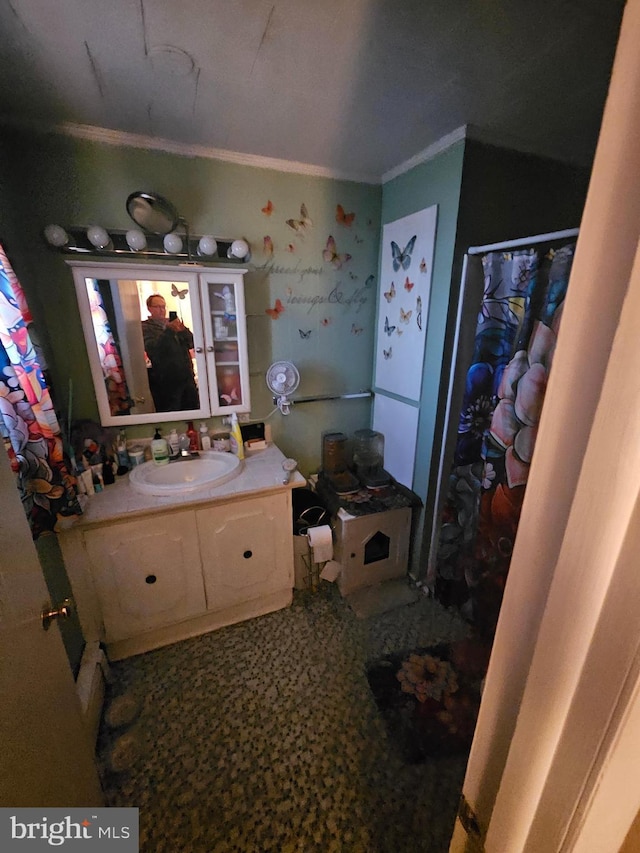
<point>429,698</point>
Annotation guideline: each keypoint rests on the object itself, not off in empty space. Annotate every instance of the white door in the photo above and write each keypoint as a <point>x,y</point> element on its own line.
<point>553,765</point>
<point>47,759</point>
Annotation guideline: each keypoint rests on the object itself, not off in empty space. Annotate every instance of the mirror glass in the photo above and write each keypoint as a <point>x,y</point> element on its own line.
<point>152,212</point>
<point>142,350</point>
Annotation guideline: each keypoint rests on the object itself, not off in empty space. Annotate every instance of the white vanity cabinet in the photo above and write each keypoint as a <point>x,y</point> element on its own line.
<point>146,573</point>
<point>246,549</point>
<point>209,301</point>
<point>179,570</point>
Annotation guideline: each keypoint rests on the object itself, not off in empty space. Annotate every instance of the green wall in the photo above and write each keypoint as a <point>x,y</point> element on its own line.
<point>437,181</point>
<point>78,182</point>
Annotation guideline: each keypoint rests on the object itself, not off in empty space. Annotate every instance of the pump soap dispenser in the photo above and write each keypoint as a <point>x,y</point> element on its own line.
<point>159,449</point>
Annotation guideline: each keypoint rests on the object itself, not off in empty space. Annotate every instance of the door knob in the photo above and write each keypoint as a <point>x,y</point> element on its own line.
<point>199,349</point>
<point>49,614</point>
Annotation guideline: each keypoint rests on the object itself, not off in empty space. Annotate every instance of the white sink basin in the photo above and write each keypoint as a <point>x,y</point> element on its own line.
<point>186,475</point>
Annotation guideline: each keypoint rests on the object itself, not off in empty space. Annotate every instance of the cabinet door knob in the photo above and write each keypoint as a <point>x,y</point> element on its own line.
<point>199,349</point>
<point>210,349</point>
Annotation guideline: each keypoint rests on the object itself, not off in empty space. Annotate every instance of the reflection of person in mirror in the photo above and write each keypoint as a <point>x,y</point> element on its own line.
<point>169,346</point>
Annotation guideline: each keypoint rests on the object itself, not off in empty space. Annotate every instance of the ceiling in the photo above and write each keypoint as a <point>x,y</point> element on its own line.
<point>352,87</point>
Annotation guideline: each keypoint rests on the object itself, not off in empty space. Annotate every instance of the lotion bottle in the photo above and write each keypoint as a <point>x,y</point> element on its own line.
<point>159,449</point>
<point>237,446</point>
<point>205,440</point>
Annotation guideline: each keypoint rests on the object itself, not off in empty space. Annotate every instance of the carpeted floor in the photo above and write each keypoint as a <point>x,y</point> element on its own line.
<point>265,736</point>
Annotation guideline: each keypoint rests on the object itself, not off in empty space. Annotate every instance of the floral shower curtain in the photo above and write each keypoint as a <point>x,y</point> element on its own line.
<point>505,386</point>
<point>29,425</point>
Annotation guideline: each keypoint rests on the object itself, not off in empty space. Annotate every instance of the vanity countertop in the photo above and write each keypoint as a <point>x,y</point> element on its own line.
<point>261,473</point>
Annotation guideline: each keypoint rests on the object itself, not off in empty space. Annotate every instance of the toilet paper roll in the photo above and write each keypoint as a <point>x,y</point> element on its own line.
<point>321,543</point>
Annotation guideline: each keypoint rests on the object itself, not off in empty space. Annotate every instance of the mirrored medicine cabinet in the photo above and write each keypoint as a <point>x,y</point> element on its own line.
<point>164,343</point>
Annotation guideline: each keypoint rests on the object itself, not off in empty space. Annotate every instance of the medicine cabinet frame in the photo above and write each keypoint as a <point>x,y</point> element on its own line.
<point>197,294</point>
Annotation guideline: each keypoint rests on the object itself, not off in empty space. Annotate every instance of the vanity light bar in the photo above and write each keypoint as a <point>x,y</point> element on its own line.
<point>74,240</point>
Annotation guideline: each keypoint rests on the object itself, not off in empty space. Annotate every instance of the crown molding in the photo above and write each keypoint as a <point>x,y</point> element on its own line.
<point>120,138</point>
<point>183,149</point>
<point>426,154</point>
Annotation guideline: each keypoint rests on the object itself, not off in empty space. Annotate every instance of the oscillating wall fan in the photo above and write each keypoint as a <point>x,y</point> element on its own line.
<point>283,379</point>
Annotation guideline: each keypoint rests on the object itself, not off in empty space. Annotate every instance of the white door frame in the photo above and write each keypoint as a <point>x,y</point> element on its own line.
<point>561,691</point>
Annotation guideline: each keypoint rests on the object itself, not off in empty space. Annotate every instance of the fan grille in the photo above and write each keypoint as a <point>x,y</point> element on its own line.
<point>282,377</point>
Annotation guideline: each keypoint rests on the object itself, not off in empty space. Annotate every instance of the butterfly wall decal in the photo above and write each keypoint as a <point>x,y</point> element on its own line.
<point>356,330</point>
<point>331,256</point>
<point>423,265</point>
<point>267,247</point>
<point>389,294</point>
<point>353,276</point>
<point>402,257</point>
<point>387,353</point>
<point>389,330</point>
<point>301,225</point>
<point>359,239</point>
<point>180,294</point>
<point>399,331</point>
<point>268,208</point>
<point>408,285</point>
<point>419,312</point>
<point>343,218</point>
<point>405,316</point>
<point>369,281</point>
<point>276,311</point>
<point>305,335</point>
<point>326,321</point>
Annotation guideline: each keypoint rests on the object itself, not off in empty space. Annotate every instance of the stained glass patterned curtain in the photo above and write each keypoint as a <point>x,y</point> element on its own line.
<point>30,428</point>
<point>505,386</point>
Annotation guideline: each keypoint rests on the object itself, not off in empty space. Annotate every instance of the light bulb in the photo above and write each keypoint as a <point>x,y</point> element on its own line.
<point>136,240</point>
<point>172,243</point>
<point>56,236</point>
<point>98,237</point>
<point>238,249</point>
<point>207,246</point>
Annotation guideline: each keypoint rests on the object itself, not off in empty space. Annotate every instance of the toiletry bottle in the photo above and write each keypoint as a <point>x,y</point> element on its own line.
<point>159,449</point>
<point>122,453</point>
<point>108,474</point>
<point>174,444</point>
<point>205,440</point>
<point>237,446</point>
<point>193,438</point>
